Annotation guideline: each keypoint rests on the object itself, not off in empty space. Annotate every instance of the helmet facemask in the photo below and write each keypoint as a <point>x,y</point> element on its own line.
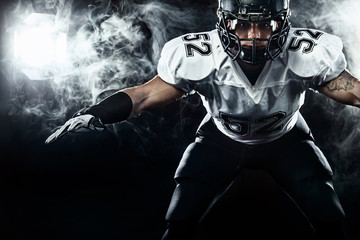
<point>234,46</point>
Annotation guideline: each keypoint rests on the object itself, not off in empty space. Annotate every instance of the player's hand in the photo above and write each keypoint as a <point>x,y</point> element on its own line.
<point>80,123</point>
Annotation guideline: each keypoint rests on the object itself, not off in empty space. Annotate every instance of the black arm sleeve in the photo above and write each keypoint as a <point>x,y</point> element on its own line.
<point>115,108</point>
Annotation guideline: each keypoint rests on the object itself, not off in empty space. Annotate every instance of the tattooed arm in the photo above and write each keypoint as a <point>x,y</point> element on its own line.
<point>344,89</point>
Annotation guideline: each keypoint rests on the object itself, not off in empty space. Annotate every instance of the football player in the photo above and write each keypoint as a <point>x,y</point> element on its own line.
<point>252,73</point>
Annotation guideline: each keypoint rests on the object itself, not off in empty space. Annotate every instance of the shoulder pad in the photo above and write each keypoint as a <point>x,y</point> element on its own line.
<point>315,54</point>
<point>188,57</point>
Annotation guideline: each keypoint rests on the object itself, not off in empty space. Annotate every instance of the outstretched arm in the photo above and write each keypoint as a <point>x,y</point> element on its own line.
<point>153,94</point>
<point>344,89</point>
<point>120,106</point>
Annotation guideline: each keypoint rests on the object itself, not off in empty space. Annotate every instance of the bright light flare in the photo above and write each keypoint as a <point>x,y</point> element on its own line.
<point>38,47</point>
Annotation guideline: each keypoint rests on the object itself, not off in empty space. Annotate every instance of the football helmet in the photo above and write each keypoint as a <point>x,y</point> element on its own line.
<point>276,12</point>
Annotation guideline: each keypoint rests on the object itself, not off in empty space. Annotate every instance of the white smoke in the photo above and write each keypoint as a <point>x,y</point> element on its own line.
<point>110,47</point>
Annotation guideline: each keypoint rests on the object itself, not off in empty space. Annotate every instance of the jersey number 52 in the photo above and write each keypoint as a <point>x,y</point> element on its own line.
<point>296,44</point>
<point>191,47</point>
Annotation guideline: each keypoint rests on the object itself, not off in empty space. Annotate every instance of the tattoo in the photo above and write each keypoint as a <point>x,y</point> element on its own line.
<point>345,81</point>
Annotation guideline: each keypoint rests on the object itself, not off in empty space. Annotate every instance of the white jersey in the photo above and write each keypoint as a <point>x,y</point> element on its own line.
<point>248,113</point>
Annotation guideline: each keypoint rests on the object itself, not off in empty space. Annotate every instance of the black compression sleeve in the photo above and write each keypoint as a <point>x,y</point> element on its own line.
<point>112,109</point>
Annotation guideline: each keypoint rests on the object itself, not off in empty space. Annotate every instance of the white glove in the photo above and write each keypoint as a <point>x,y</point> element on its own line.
<point>80,123</point>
